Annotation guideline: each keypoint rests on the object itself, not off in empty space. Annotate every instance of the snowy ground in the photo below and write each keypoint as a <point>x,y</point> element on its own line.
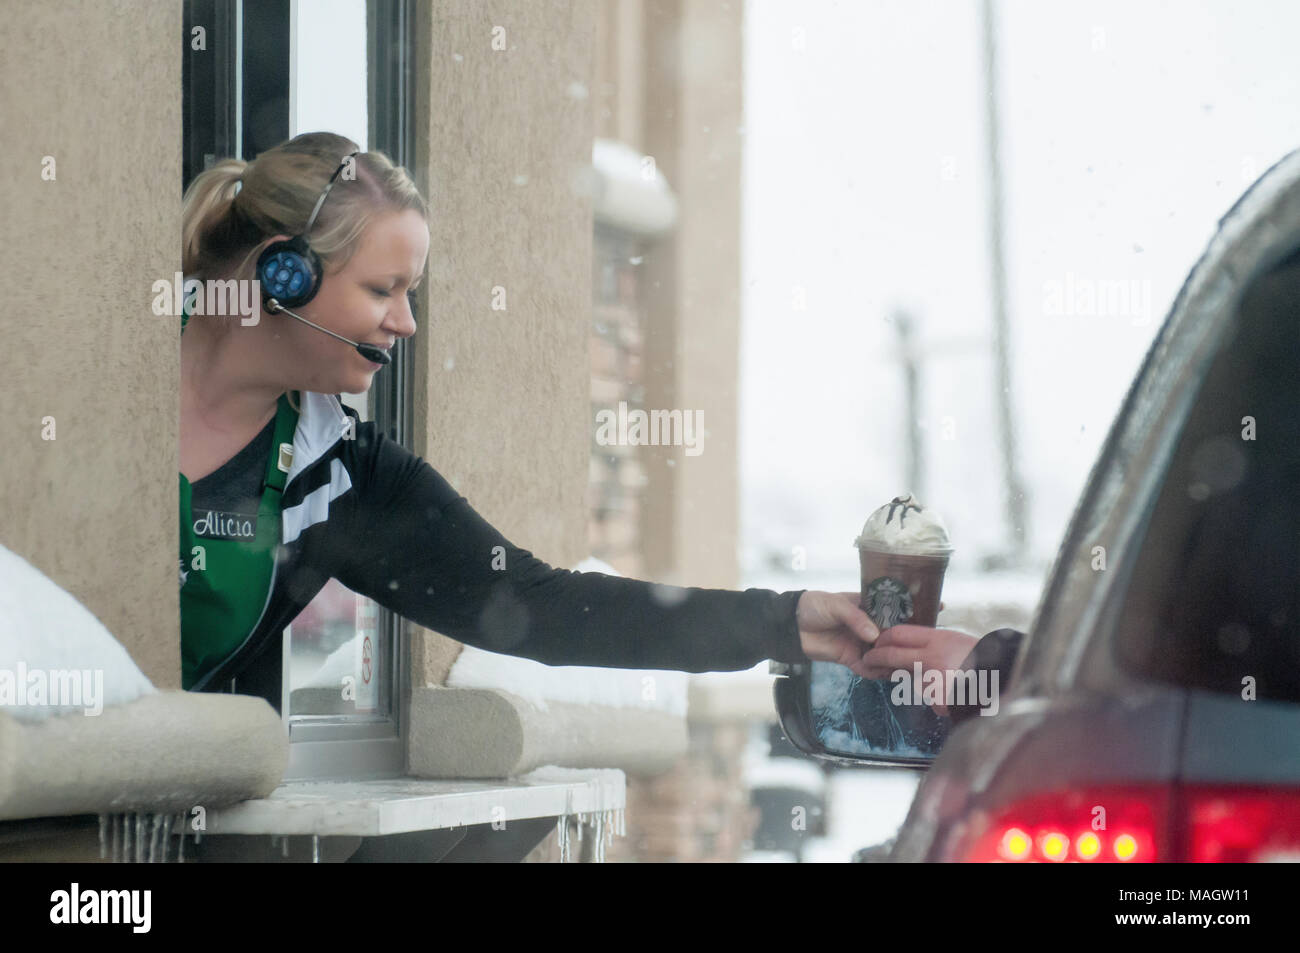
<point>865,806</point>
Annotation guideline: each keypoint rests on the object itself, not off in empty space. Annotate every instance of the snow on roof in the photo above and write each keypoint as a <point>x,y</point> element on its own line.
<point>630,192</point>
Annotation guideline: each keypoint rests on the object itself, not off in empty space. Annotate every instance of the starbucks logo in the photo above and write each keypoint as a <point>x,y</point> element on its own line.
<point>888,602</point>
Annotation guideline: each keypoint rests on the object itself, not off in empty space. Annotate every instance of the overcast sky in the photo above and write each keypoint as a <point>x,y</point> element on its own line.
<point>1128,129</point>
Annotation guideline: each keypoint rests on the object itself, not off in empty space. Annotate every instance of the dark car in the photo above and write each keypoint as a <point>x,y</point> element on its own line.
<point>1153,711</point>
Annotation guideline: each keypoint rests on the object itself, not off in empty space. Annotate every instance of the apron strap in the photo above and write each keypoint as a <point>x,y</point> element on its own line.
<point>277,467</point>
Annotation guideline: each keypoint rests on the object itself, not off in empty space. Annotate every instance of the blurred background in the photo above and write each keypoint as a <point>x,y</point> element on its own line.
<point>872,247</point>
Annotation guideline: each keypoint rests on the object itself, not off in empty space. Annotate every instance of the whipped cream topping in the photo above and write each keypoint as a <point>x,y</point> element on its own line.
<point>903,525</point>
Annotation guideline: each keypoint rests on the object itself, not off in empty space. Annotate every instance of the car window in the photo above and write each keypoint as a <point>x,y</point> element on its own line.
<point>1212,602</point>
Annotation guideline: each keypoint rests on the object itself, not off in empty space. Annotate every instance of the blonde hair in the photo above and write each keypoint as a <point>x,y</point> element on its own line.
<point>233,206</point>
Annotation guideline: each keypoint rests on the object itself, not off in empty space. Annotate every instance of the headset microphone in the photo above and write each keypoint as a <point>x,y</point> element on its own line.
<point>370,352</point>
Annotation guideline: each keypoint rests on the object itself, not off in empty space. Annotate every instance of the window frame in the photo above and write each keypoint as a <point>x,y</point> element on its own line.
<point>236,103</point>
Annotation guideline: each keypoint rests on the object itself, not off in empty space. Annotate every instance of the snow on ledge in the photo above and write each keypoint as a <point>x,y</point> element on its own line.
<point>56,658</point>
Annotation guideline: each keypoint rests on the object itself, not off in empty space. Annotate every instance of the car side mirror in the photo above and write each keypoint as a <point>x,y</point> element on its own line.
<point>830,713</point>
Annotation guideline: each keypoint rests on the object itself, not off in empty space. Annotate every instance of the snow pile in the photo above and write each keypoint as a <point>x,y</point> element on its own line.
<point>537,683</point>
<point>338,665</point>
<point>55,656</point>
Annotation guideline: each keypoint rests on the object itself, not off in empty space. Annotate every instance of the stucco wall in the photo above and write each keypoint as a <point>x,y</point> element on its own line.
<point>96,85</point>
<point>693,114</point>
<point>504,140</point>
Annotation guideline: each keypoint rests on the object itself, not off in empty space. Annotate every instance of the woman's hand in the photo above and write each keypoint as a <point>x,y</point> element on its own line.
<point>833,629</point>
<point>903,645</point>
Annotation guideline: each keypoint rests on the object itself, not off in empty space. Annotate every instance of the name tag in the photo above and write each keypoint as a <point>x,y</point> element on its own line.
<point>212,524</point>
<point>286,457</point>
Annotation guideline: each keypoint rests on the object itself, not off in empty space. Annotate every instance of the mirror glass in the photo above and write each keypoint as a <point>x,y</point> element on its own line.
<point>852,715</point>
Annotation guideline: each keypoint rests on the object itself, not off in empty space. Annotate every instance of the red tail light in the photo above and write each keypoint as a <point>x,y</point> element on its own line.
<point>1092,825</point>
<point>1136,824</point>
<point>1243,825</point>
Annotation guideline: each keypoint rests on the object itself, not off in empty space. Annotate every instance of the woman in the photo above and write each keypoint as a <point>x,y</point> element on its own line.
<point>282,488</point>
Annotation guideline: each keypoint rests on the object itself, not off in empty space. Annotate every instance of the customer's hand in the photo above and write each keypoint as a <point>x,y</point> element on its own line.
<point>903,645</point>
<point>833,629</point>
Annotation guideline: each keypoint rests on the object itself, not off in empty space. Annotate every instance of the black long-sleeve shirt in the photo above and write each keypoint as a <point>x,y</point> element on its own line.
<point>364,510</point>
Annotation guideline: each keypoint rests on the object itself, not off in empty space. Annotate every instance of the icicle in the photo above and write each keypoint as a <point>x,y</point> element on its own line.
<point>167,835</point>
<point>599,851</point>
<point>103,825</point>
<point>315,849</point>
<point>180,848</point>
<point>139,838</point>
<point>116,821</point>
<point>562,835</point>
<point>284,846</point>
<point>155,828</point>
<point>582,822</point>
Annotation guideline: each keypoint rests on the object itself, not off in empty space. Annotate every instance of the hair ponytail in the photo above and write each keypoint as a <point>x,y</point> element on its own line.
<point>208,218</point>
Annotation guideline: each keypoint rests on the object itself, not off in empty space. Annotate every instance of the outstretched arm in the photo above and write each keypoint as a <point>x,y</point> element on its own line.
<point>416,546</point>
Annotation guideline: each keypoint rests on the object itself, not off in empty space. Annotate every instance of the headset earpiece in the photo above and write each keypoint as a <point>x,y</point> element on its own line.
<point>289,272</point>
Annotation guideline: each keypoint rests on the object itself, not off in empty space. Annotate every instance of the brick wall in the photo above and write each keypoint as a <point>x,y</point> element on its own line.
<point>616,474</point>
<point>699,811</point>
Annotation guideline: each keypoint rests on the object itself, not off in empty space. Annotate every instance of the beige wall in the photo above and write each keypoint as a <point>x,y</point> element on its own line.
<point>502,396</point>
<point>693,108</point>
<point>96,85</point>
<point>619,92</point>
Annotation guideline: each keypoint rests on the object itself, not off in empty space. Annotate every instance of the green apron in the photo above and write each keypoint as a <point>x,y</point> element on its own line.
<point>226,582</point>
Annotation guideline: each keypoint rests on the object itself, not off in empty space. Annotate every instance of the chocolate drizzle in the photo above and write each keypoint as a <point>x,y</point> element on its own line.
<point>906,504</point>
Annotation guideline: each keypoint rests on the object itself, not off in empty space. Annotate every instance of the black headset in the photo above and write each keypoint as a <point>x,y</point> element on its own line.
<point>289,271</point>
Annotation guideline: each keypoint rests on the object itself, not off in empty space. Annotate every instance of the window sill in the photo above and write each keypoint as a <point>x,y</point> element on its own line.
<point>379,808</point>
